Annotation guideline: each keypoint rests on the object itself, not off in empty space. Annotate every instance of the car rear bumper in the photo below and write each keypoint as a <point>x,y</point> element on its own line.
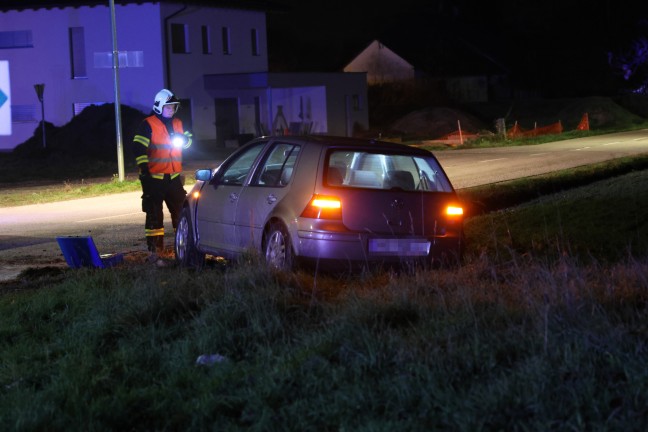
<point>355,248</point>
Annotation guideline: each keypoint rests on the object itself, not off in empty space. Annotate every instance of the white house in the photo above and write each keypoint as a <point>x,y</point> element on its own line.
<point>381,64</point>
<point>214,57</point>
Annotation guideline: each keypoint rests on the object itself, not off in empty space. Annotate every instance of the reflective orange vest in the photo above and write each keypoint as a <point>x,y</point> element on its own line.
<point>163,158</point>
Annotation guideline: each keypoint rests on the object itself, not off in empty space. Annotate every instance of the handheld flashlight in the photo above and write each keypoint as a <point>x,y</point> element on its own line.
<point>178,140</point>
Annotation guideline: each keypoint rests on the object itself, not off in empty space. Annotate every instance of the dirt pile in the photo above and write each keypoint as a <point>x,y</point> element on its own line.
<point>89,135</point>
<point>436,122</point>
<point>602,112</point>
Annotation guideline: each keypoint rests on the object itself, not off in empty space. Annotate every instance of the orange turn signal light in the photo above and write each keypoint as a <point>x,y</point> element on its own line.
<point>323,207</point>
<point>453,210</point>
<point>326,202</point>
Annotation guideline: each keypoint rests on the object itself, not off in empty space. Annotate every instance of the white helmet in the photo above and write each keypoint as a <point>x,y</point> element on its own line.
<point>164,97</point>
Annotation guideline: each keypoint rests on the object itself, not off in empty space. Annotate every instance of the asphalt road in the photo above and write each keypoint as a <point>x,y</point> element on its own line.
<point>467,168</point>
<point>116,222</point>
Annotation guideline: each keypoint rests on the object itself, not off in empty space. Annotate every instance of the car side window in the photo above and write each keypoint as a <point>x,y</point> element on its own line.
<point>430,176</point>
<point>277,168</point>
<point>237,170</point>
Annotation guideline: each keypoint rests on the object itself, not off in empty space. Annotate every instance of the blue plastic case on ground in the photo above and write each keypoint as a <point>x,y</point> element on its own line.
<point>80,251</point>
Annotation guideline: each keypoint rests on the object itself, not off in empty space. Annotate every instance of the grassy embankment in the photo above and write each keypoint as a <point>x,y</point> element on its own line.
<point>543,328</point>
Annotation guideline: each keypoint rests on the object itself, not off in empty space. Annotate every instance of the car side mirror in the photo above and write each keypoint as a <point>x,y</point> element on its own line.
<point>203,175</point>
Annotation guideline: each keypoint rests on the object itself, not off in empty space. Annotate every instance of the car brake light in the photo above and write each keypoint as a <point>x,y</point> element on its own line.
<point>323,207</point>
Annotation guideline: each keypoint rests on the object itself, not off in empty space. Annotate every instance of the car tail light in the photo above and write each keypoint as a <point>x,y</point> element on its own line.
<point>454,210</point>
<point>323,207</point>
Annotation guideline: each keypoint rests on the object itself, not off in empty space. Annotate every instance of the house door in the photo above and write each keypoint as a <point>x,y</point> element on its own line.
<point>227,120</point>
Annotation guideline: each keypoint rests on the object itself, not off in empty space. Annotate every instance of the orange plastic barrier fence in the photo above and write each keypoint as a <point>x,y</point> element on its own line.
<point>455,138</point>
<point>459,136</point>
<point>517,131</point>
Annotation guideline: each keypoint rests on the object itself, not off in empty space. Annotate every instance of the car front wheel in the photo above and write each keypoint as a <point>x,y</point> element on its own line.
<point>185,249</point>
<point>277,248</point>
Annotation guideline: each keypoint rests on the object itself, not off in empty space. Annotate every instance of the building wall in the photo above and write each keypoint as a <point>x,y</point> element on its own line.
<point>140,36</point>
<point>48,61</point>
<point>335,103</point>
<point>346,98</point>
<point>188,69</point>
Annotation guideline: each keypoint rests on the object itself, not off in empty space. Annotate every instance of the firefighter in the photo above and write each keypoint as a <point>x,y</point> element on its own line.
<point>157,147</point>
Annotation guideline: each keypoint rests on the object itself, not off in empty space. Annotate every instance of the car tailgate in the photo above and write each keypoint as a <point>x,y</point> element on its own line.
<point>398,213</point>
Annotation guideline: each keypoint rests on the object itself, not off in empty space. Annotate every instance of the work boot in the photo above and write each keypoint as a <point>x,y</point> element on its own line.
<point>159,244</point>
<point>155,245</point>
<point>151,244</point>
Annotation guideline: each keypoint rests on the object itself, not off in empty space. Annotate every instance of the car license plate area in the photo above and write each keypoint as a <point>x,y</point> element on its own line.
<point>401,247</point>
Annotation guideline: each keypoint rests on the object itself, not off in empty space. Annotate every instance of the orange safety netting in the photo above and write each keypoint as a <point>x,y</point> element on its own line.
<point>584,123</point>
<point>517,131</point>
<point>457,137</point>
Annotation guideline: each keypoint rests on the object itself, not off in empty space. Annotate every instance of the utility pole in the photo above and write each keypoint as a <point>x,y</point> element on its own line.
<point>40,90</point>
<point>115,58</point>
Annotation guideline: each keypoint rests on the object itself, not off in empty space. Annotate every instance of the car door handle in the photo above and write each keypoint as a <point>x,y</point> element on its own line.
<point>271,199</point>
<point>233,197</point>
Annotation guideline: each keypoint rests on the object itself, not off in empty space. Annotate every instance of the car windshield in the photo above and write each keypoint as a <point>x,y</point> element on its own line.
<point>363,169</point>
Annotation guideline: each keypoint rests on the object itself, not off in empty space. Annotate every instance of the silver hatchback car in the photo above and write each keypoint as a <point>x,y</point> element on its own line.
<point>338,203</point>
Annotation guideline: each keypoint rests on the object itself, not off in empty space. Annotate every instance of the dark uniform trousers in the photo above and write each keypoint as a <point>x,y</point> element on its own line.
<point>155,192</point>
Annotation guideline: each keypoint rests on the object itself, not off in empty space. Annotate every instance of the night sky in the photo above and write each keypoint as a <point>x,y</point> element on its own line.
<point>558,47</point>
<point>552,47</point>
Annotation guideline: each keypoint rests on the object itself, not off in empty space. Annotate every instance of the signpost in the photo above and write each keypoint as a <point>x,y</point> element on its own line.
<point>5,99</point>
<point>118,127</point>
<point>40,89</point>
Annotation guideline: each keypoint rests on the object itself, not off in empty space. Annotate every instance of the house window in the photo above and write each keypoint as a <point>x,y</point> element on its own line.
<point>16,39</point>
<point>355,103</point>
<point>255,42</point>
<point>77,53</point>
<point>24,113</point>
<point>131,59</point>
<point>226,41</point>
<point>124,59</point>
<point>78,107</point>
<point>179,38</point>
<point>206,43</point>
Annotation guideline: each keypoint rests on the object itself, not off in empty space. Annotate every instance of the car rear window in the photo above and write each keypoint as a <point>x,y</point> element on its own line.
<point>364,169</point>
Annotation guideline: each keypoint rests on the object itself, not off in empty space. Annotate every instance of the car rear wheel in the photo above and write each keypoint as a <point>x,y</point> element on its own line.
<point>185,249</point>
<point>277,248</point>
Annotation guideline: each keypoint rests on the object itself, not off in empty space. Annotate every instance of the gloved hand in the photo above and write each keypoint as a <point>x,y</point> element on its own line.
<point>189,136</point>
<point>144,174</point>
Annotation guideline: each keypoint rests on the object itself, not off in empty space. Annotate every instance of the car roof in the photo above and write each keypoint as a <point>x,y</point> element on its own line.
<point>339,141</point>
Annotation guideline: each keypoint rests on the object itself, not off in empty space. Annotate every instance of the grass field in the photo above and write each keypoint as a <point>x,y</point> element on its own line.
<point>542,328</point>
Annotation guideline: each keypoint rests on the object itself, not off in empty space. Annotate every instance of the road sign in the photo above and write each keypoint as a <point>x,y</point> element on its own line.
<point>5,99</point>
